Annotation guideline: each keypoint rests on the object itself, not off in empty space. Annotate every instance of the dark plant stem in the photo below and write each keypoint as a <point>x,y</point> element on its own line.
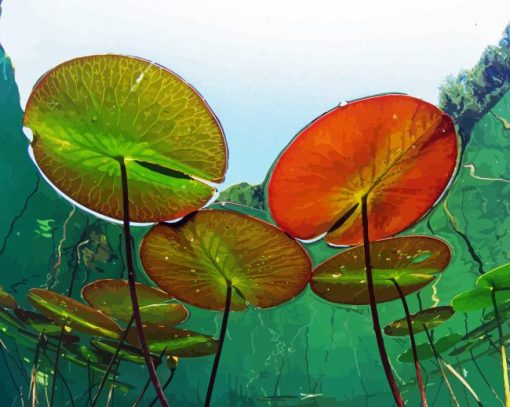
<point>71,398</point>
<point>413,343</point>
<point>418,296</point>
<point>373,306</point>
<point>112,362</point>
<point>147,383</point>
<point>6,364</point>
<point>132,287</point>
<point>55,368</point>
<point>167,383</point>
<point>502,347</point>
<point>221,340</point>
<point>484,378</point>
<point>441,369</point>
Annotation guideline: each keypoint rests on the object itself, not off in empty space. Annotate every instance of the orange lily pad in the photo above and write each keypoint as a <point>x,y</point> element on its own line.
<point>111,296</point>
<point>195,259</point>
<point>411,261</point>
<point>398,149</point>
<point>66,311</point>
<point>7,300</point>
<point>90,113</point>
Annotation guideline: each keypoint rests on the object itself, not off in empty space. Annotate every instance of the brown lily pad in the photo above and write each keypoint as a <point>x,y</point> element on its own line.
<point>411,261</point>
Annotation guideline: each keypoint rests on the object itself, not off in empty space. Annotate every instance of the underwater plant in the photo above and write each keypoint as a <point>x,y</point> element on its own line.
<point>492,289</point>
<point>226,261</point>
<point>127,139</point>
<point>400,266</point>
<point>364,171</point>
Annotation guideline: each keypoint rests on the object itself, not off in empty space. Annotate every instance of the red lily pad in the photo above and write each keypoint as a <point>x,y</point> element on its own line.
<point>398,149</point>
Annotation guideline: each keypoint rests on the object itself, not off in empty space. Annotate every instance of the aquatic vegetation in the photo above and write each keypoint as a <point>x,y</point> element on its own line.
<point>111,297</point>
<point>378,157</point>
<point>151,132</point>
<point>225,261</point>
<point>491,289</point>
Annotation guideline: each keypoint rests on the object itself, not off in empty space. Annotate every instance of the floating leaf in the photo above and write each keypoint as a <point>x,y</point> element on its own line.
<point>499,278</point>
<point>66,311</point>
<point>175,342</point>
<point>425,351</point>
<point>89,114</point>
<point>400,150</point>
<point>194,259</point>
<point>7,300</point>
<point>477,298</point>
<point>410,260</point>
<point>42,324</point>
<point>428,318</point>
<point>112,297</point>
<point>126,352</point>
<point>9,319</point>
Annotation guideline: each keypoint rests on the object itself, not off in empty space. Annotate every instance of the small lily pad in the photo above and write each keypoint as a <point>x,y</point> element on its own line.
<point>7,300</point>
<point>88,354</point>
<point>112,297</point>
<point>176,342</point>
<point>42,324</point>
<point>8,318</point>
<point>195,259</point>
<point>428,318</point>
<point>66,311</point>
<point>127,352</point>
<point>469,344</point>
<point>477,298</point>
<point>425,351</point>
<point>499,278</point>
<point>411,261</point>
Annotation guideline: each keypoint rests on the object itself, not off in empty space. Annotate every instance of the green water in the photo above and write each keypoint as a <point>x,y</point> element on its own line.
<point>305,347</point>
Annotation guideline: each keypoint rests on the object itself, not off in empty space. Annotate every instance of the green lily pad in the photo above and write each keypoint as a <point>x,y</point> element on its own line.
<point>504,312</point>
<point>194,259</point>
<point>499,278</point>
<point>46,326</point>
<point>88,354</point>
<point>66,311</point>
<point>112,297</point>
<point>8,318</point>
<point>127,352</point>
<point>469,344</point>
<point>89,114</point>
<point>7,300</point>
<point>410,260</point>
<point>482,330</point>
<point>424,350</point>
<point>176,342</point>
<point>428,318</point>
<point>477,298</point>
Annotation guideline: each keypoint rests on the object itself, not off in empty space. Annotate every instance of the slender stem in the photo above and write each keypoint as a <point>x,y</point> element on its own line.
<point>441,369</point>
<point>502,348</point>
<point>147,383</point>
<point>373,307</point>
<point>132,287</point>
<point>484,378</point>
<point>112,362</point>
<point>221,340</point>
<point>168,381</point>
<point>55,367</point>
<point>2,350</point>
<point>71,399</point>
<point>413,343</point>
<point>462,381</point>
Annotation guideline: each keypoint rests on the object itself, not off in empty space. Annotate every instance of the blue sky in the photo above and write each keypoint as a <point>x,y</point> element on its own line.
<point>267,68</point>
